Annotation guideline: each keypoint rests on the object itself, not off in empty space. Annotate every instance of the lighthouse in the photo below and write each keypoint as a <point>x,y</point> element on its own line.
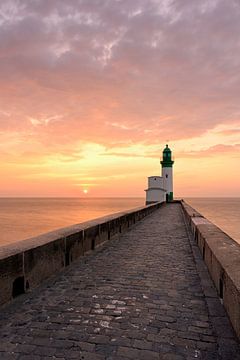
<point>167,173</point>
<point>160,188</point>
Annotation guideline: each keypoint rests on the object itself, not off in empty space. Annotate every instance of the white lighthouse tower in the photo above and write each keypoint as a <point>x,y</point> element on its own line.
<point>160,188</point>
<point>167,172</point>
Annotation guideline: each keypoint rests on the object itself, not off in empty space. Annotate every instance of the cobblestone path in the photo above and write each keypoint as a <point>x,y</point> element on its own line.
<point>138,297</point>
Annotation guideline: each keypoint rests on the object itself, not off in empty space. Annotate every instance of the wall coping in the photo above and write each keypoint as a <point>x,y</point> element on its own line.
<point>225,249</point>
<point>221,254</point>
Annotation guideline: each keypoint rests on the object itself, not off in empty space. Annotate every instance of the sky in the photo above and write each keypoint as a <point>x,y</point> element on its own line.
<point>92,90</point>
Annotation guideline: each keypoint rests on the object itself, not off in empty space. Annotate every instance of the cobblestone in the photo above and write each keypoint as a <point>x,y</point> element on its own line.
<point>138,297</point>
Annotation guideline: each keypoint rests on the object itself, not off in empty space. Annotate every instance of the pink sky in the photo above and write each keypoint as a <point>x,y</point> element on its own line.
<point>90,91</point>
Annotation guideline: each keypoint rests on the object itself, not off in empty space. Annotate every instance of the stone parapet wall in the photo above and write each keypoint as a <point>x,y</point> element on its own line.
<point>222,257</point>
<point>27,263</point>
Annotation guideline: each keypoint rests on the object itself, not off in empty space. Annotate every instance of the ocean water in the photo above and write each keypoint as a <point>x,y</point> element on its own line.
<point>21,218</point>
<point>223,212</point>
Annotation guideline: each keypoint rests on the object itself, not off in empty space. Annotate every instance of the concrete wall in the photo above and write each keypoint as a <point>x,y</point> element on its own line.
<point>154,195</point>
<point>222,257</point>
<point>25,264</point>
<point>155,181</point>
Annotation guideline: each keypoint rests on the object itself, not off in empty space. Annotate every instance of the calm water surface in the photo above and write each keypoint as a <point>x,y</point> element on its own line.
<point>223,212</point>
<point>21,218</point>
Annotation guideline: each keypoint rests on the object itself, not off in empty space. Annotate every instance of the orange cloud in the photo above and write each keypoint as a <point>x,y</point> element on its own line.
<point>213,151</point>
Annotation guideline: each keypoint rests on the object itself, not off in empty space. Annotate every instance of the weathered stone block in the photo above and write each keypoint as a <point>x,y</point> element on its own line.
<point>123,223</point>
<point>11,268</point>
<point>103,233</point>
<point>113,227</point>
<point>73,247</point>
<point>91,237</point>
<point>43,261</point>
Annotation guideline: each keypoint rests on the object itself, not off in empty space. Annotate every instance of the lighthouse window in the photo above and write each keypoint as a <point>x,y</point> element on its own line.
<point>166,175</point>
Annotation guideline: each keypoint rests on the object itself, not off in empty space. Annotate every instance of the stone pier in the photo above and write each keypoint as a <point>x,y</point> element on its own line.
<point>146,294</point>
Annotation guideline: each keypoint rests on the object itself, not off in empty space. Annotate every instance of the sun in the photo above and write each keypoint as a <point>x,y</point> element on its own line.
<point>85,191</point>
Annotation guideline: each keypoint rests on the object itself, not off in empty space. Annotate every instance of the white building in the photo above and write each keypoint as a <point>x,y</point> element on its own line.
<point>160,188</point>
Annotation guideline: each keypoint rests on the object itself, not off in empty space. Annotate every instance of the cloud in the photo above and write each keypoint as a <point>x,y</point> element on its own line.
<point>230,132</point>
<point>115,72</point>
<point>219,149</point>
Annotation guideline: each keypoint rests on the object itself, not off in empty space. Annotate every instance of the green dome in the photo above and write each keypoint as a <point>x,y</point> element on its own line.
<point>167,149</point>
<point>167,157</point>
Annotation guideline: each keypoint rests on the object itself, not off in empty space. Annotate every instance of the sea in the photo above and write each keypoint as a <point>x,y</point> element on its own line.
<point>223,212</point>
<point>22,218</point>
